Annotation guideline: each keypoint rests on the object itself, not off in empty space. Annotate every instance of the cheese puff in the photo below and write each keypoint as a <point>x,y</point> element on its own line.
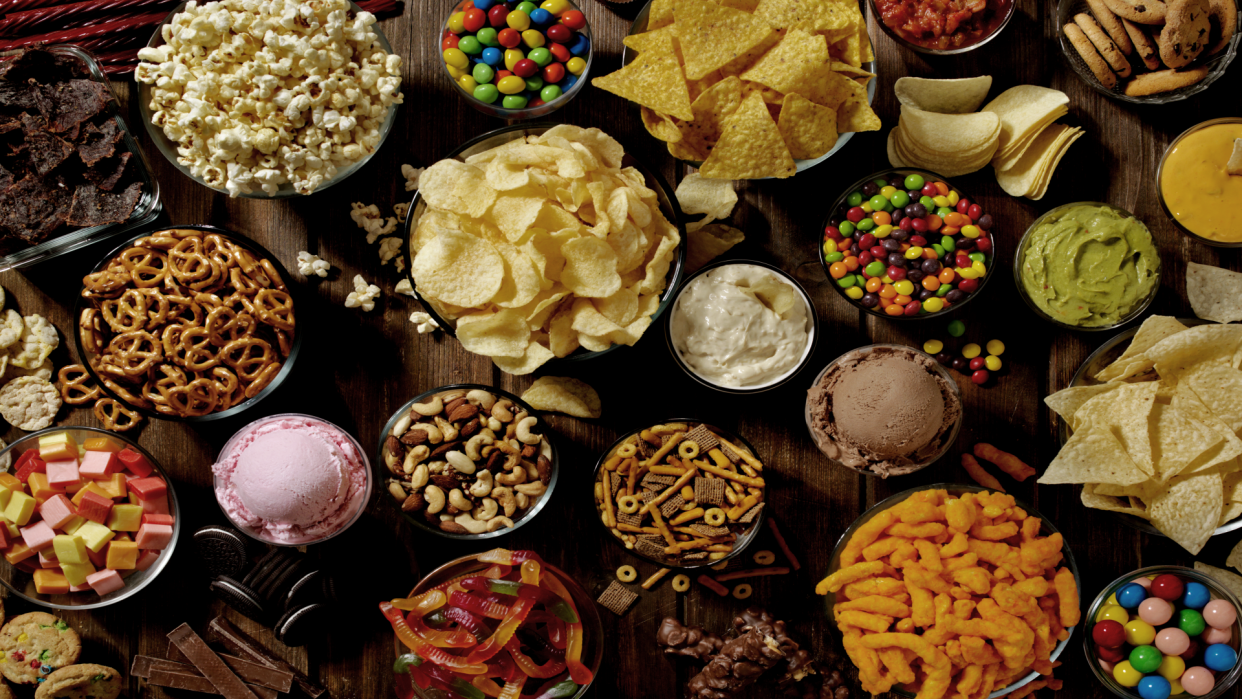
<point>904,553</point>
<point>1001,574</point>
<point>1045,667</point>
<point>994,532</point>
<point>963,608</point>
<point>882,548</point>
<point>863,620</point>
<point>977,580</point>
<point>953,649</point>
<point>1002,500</point>
<point>1012,601</point>
<point>973,627</point>
<point>918,576</point>
<point>1035,587</point>
<point>1028,689</point>
<point>959,544</point>
<point>961,513</point>
<point>1030,528</point>
<point>1067,593</point>
<point>996,512</point>
<point>944,606</point>
<point>849,574</point>
<point>968,681</point>
<point>994,552</point>
<point>936,664</point>
<point>1018,638</point>
<point>1043,633</point>
<point>976,650</point>
<point>911,512</point>
<point>1052,613</point>
<point>968,560</point>
<point>898,667</point>
<point>923,608</point>
<point>933,497</point>
<point>1017,514</point>
<point>866,535</point>
<point>929,555</point>
<point>877,604</point>
<point>867,660</point>
<point>961,593</point>
<point>927,530</point>
<point>874,586</point>
<point>1038,554</point>
<point>989,681</point>
<point>905,625</point>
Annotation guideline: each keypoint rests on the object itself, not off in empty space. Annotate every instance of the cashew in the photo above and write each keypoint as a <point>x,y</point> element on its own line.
<point>396,491</point>
<point>483,486</point>
<point>486,451</point>
<point>473,444</point>
<point>514,477</point>
<point>504,496</point>
<point>445,517</point>
<point>415,457</point>
<point>434,435</point>
<point>532,489</point>
<point>390,460</point>
<point>520,416</point>
<point>523,500</point>
<point>458,499</point>
<point>487,509</point>
<point>532,470</point>
<point>437,466</point>
<point>494,424</point>
<point>501,411</point>
<point>498,523</point>
<point>402,425</point>
<point>420,476</point>
<point>435,407</point>
<point>483,398</point>
<point>435,499</point>
<point>489,432</point>
<point>523,430</point>
<point>460,461</point>
<point>450,432</point>
<point>506,447</point>
<point>471,524</point>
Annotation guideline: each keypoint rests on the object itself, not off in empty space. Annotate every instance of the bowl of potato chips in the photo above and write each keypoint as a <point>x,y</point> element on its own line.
<point>747,94</point>
<point>539,242</point>
<point>990,582</point>
<point>1166,435</point>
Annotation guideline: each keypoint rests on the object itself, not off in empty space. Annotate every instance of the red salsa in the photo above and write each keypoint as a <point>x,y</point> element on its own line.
<point>943,24</point>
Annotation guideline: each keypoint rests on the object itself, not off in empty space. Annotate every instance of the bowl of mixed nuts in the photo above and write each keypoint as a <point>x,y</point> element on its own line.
<point>468,461</point>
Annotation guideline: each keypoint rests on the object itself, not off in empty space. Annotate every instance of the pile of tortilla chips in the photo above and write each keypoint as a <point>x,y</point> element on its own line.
<point>1159,439</point>
<point>749,86</point>
<point>542,245</point>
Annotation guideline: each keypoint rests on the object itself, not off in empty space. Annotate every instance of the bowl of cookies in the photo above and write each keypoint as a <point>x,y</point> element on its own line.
<point>1148,51</point>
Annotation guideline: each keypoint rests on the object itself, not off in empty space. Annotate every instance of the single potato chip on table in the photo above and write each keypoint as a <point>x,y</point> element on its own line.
<point>561,394</point>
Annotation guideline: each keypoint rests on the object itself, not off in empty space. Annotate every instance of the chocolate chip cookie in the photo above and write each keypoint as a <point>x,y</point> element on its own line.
<point>1144,45</point>
<point>84,681</point>
<point>1108,50</point>
<point>1225,17</point>
<point>1086,50</point>
<point>1141,11</point>
<point>1111,24</point>
<point>35,644</point>
<point>1185,33</point>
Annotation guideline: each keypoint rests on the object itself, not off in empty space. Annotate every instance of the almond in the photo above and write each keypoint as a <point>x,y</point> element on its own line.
<point>545,470</point>
<point>393,445</point>
<point>464,411</point>
<point>469,429</point>
<point>453,528</point>
<point>452,405</point>
<point>442,450</point>
<point>495,460</point>
<point>446,483</point>
<point>414,437</point>
<point>414,503</point>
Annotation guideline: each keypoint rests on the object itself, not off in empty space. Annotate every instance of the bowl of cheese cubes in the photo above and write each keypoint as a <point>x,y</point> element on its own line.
<point>87,518</point>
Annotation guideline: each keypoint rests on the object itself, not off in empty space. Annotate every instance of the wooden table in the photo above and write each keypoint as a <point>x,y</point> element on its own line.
<point>356,368</point>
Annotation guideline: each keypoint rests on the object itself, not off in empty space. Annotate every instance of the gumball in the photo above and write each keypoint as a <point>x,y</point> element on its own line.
<point>1196,595</point>
<point>1175,687</point>
<point>1145,659</point>
<point>1154,687</point>
<point>1126,675</point>
<point>1191,621</point>
<point>1219,614</point>
<point>1114,612</point>
<point>1112,655</point>
<point>1172,641</point>
<point>1171,667</point>
<point>1167,587</point>
<point>1131,595</point>
<point>1155,611</point>
<point>1220,657</point>
<point>1198,681</point>
<point>1139,632</point>
<point>1213,635</point>
<point>1109,633</point>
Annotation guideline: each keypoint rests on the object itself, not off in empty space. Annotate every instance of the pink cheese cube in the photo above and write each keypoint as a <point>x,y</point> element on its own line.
<point>63,473</point>
<point>105,581</point>
<point>57,511</point>
<point>146,560</point>
<point>155,506</point>
<point>38,536</point>
<point>47,559</point>
<point>98,465</point>
<point>154,536</point>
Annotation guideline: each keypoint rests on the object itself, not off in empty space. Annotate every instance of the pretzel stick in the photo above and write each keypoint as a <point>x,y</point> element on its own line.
<point>780,541</point>
<point>623,527</point>
<point>655,578</point>
<point>745,480</point>
<point>719,548</point>
<point>687,516</point>
<point>747,502</point>
<point>714,586</point>
<point>633,479</point>
<point>666,470</point>
<point>685,478</point>
<point>659,522</point>
<point>754,463</point>
<point>684,545</point>
<point>613,462</point>
<point>610,517</point>
<point>752,573</point>
<point>664,450</point>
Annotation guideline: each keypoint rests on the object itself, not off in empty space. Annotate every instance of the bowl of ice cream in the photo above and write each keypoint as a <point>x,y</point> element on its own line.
<point>884,410</point>
<point>292,480</point>
<point>1196,190</point>
<point>742,326</point>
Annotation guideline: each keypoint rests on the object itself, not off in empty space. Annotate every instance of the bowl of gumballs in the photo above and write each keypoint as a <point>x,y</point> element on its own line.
<point>517,60</point>
<point>1164,630</point>
<point>904,243</point>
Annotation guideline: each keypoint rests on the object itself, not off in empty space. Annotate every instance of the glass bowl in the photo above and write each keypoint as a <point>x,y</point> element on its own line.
<point>527,516</point>
<point>949,438</point>
<point>998,21</point>
<point>628,55</point>
<point>498,111</point>
<point>1046,529</point>
<point>146,211</point>
<point>1217,590</point>
<point>1160,179</point>
<point>592,625</point>
<point>286,190</point>
<point>259,535</point>
<point>260,253</point>
<point>742,541</point>
<point>1066,9</point>
<point>837,213</point>
<point>492,139</point>
<point>21,583</point>
<point>1134,313</point>
<point>812,331</point>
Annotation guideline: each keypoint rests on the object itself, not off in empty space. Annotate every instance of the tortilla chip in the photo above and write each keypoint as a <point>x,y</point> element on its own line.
<point>818,16</point>
<point>1234,166</point>
<point>1189,510</point>
<point>712,35</point>
<point>856,115</point>
<point>1092,455</point>
<point>750,146</point>
<point>1228,580</point>
<point>1214,293</point>
<point>792,63</point>
<point>809,130</point>
<point>654,80</point>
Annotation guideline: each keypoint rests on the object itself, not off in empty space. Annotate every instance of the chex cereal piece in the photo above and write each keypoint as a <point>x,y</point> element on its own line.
<point>648,496</point>
<point>704,438</point>
<point>730,454</point>
<point>614,482</point>
<point>708,530</point>
<point>616,598</point>
<point>632,520</point>
<point>709,491</point>
<point>653,480</point>
<point>649,548</point>
<point>672,505</point>
<point>645,449</point>
<point>694,556</point>
<point>751,514</point>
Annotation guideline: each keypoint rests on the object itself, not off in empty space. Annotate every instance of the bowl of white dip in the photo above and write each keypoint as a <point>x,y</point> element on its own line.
<point>742,326</point>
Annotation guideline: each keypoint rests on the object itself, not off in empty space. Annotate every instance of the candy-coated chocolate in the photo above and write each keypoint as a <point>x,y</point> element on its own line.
<point>1139,632</point>
<point>1114,612</point>
<point>1112,655</point>
<point>1167,587</point>
<point>1171,667</point>
<point>1155,611</point>
<point>1196,595</point>
<point>1109,633</point>
<point>1189,654</point>
<point>1215,635</point>
<point>1145,659</point>
<point>1172,641</point>
<point>1131,595</point>
<point>1219,614</point>
<point>1197,681</point>
<point>1220,657</point>
<point>1106,665</point>
<point>1154,687</point>
<point>1191,621</point>
<point>1126,675</point>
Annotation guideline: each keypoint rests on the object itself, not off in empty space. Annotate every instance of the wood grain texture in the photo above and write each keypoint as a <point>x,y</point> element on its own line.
<point>356,368</point>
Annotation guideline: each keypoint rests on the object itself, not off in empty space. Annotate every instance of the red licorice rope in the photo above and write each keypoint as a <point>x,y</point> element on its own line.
<point>7,6</point>
<point>74,15</point>
<point>83,35</point>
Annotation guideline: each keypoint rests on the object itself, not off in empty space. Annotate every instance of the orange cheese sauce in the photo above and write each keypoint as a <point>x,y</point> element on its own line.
<point>1202,196</point>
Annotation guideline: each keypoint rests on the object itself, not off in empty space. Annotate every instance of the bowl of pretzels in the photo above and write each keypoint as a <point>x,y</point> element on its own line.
<point>191,324</point>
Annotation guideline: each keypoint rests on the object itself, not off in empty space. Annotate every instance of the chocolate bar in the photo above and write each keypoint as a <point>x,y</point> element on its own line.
<point>252,673</point>
<point>223,632</point>
<point>210,664</point>
<point>144,665</point>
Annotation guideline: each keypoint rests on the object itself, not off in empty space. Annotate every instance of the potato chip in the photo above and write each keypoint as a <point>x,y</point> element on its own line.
<point>521,281</point>
<point>954,96</point>
<point>654,80</point>
<point>750,147</point>
<point>536,356</point>
<point>1187,512</point>
<point>1050,164</point>
<point>437,269</point>
<point>503,333</point>
<point>562,338</point>
<point>1021,179</point>
<point>590,268</point>
<point>561,394</point>
<point>791,63</point>
<point>451,185</point>
<point>1022,110</point>
<point>709,242</point>
<point>1214,293</point>
<point>809,130</point>
<point>775,294</point>
<point>620,308</point>
<point>711,35</point>
<point>894,158</point>
<point>699,195</point>
<point>655,272</point>
<point>949,133</point>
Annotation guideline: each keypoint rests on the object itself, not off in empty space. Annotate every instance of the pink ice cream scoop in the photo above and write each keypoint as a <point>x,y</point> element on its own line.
<point>292,479</point>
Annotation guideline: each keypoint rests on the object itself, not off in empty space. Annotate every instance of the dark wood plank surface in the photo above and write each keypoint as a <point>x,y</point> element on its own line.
<point>356,368</point>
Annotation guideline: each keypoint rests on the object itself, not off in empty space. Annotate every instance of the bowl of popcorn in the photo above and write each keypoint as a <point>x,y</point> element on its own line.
<point>290,115</point>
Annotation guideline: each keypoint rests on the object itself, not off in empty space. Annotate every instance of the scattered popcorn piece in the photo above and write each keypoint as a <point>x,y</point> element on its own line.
<point>363,295</point>
<point>405,287</point>
<point>426,324</point>
<point>400,264</point>
<point>369,219</point>
<point>309,265</point>
<point>401,210</point>
<point>388,249</point>
<point>411,175</point>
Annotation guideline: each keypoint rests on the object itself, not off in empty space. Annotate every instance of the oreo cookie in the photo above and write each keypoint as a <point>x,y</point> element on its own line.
<point>221,549</point>
<point>238,596</point>
<point>300,625</point>
<point>312,587</point>
<point>274,589</point>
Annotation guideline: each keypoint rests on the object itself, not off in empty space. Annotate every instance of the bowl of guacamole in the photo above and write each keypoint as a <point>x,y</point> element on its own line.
<point>1088,266</point>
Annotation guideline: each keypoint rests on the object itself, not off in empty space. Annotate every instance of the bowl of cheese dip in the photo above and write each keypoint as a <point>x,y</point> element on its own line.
<point>1196,190</point>
<point>742,326</point>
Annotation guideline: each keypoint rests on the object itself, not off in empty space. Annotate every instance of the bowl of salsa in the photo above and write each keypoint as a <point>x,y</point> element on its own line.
<point>1196,191</point>
<point>943,27</point>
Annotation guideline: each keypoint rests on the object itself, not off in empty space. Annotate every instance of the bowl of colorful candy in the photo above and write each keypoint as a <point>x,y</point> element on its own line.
<point>1164,630</point>
<point>517,60</point>
<point>90,518</point>
<point>905,243</point>
<point>508,620</point>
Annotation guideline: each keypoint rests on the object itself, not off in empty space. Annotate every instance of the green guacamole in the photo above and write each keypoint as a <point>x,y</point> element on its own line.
<point>1089,266</point>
